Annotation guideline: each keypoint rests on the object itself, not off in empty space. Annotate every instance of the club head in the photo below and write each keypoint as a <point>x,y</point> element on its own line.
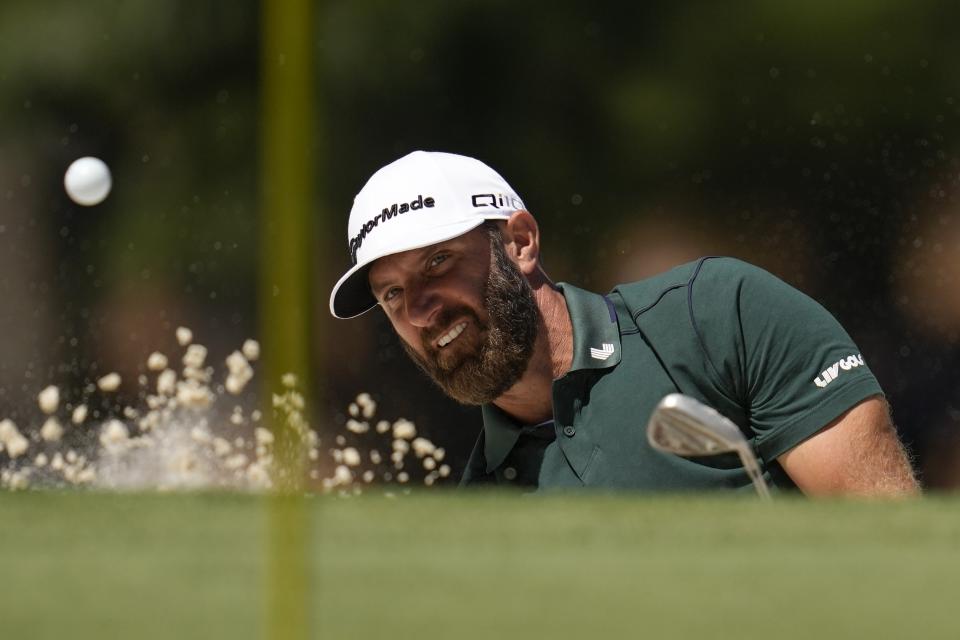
<point>686,427</point>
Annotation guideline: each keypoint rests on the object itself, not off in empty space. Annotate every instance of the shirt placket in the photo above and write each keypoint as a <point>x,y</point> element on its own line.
<point>573,437</point>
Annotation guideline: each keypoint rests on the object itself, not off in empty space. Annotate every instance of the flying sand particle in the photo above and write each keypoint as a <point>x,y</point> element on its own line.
<point>51,430</point>
<point>423,447</point>
<point>194,358</point>
<point>109,382</point>
<point>12,440</point>
<point>49,400</point>
<point>114,435</point>
<point>351,457</point>
<point>79,414</point>
<point>184,336</point>
<point>404,429</point>
<point>167,383</point>
<point>157,361</point>
<point>251,350</point>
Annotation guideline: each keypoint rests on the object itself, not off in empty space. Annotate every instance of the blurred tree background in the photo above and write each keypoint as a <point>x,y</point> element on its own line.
<point>816,139</point>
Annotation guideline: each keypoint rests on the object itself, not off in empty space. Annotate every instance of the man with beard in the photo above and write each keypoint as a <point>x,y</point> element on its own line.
<point>567,379</point>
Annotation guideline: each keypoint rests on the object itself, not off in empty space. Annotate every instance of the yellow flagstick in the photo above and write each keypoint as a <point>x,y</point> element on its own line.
<point>287,179</point>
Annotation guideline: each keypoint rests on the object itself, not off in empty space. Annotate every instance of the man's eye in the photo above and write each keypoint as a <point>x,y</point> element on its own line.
<point>391,293</point>
<point>437,259</point>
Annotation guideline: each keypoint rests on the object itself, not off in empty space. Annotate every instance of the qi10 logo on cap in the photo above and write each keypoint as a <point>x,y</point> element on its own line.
<point>497,201</point>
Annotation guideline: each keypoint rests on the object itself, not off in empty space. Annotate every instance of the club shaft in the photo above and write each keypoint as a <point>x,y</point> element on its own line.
<point>753,470</point>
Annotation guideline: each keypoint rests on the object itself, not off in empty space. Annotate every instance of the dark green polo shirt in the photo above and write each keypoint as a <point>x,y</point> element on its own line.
<point>727,333</point>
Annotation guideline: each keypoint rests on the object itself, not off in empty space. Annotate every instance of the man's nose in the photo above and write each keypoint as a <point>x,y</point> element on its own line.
<point>423,304</point>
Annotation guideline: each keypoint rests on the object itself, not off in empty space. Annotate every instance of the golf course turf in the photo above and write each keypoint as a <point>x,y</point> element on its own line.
<point>438,564</point>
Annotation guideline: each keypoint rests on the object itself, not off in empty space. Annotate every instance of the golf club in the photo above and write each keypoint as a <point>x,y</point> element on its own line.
<point>685,426</point>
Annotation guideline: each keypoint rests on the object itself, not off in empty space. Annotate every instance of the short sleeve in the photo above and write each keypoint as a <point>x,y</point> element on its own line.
<point>784,357</point>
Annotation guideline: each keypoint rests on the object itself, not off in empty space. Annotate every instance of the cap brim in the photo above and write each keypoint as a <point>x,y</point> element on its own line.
<point>351,296</point>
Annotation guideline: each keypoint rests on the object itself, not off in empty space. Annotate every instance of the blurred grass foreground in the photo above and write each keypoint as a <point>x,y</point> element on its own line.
<point>88,565</point>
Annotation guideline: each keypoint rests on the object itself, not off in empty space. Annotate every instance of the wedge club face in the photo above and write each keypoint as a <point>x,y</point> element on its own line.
<point>684,426</point>
<point>687,427</point>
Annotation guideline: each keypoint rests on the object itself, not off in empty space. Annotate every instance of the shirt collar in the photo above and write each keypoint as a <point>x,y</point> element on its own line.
<point>501,432</point>
<point>596,345</point>
<point>596,332</point>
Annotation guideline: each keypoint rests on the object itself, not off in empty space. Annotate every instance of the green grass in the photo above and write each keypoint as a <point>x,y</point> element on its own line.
<point>483,566</point>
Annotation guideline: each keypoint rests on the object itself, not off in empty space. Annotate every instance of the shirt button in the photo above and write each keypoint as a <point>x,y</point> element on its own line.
<point>569,431</point>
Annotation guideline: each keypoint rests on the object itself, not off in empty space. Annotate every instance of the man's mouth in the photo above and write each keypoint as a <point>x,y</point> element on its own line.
<point>451,335</point>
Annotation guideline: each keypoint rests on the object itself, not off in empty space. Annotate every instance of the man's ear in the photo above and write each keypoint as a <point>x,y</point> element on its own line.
<point>522,241</point>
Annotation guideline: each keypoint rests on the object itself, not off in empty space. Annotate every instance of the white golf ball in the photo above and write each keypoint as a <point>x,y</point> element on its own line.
<point>87,181</point>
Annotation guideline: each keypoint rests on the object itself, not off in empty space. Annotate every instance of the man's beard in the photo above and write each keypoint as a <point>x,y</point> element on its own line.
<point>507,338</point>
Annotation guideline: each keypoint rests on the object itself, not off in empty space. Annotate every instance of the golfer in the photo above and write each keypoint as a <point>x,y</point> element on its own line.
<point>567,379</point>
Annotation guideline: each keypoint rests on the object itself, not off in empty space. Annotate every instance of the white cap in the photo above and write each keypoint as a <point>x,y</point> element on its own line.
<point>421,199</point>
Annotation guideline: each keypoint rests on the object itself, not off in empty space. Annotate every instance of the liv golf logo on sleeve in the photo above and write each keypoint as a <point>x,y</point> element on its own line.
<point>832,372</point>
